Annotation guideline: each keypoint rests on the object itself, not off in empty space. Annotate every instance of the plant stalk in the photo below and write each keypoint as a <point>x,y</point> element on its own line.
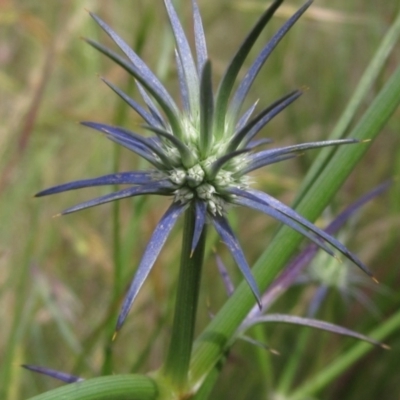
<point>177,362</point>
<point>212,343</point>
<point>113,387</point>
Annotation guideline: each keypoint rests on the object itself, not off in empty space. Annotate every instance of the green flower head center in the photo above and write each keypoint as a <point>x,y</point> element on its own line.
<point>195,183</point>
<point>203,180</point>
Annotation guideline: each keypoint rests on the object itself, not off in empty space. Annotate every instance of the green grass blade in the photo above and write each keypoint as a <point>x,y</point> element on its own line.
<point>342,363</point>
<point>7,369</point>
<point>116,387</point>
<point>364,86</point>
<point>211,344</point>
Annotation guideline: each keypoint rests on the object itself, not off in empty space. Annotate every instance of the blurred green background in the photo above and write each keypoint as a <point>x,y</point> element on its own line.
<point>56,275</point>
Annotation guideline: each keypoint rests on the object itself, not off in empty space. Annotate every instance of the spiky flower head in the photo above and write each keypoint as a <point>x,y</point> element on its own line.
<point>201,154</point>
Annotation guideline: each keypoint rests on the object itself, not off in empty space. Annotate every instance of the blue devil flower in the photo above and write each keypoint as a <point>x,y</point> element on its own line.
<point>200,155</point>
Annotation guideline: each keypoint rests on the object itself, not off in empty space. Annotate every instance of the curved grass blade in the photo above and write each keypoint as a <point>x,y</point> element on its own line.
<point>228,237</point>
<point>161,187</point>
<point>367,80</point>
<point>150,255</point>
<point>120,178</point>
<point>229,78</point>
<point>206,353</point>
<point>116,387</point>
<point>313,323</point>
<point>248,80</point>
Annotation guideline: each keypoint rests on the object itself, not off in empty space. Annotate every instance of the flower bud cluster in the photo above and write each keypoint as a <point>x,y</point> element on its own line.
<point>195,182</point>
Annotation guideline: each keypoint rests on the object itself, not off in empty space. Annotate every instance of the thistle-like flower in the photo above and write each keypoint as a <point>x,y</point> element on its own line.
<point>201,154</point>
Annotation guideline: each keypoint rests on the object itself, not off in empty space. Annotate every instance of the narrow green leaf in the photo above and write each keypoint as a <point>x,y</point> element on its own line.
<point>344,361</point>
<point>176,367</point>
<point>211,344</point>
<point>116,387</point>
<point>364,86</point>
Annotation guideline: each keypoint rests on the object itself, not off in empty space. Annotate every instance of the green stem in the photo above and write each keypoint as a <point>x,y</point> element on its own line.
<point>365,84</point>
<point>207,387</point>
<point>8,356</point>
<point>115,387</point>
<point>294,363</point>
<point>179,352</point>
<point>213,341</point>
<point>107,366</point>
<point>263,360</point>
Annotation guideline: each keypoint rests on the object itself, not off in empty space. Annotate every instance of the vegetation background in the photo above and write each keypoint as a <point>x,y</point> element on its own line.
<point>56,275</point>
